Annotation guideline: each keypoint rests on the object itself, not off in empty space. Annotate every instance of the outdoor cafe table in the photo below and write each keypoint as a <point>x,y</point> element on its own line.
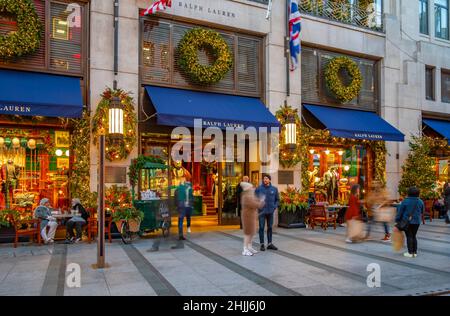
<point>60,218</point>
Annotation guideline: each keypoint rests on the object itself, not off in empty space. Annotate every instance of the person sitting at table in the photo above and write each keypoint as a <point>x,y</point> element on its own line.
<point>77,221</point>
<point>43,212</point>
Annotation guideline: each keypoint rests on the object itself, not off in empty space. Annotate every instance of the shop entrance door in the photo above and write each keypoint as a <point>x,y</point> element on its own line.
<point>230,175</point>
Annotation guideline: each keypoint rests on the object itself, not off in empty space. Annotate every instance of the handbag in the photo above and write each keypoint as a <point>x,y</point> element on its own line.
<point>355,229</point>
<point>404,222</point>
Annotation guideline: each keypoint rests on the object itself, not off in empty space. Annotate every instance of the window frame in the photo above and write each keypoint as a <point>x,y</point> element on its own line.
<point>445,97</point>
<point>46,67</point>
<point>425,14</point>
<point>433,83</point>
<point>439,7</point>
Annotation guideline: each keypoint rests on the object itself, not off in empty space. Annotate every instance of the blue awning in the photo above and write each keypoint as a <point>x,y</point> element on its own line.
<point>176,107</point>
<point>441,127</point>
<point>37,94</point>
<point>355,124</point>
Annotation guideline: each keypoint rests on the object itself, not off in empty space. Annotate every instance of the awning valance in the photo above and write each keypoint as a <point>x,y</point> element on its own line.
<point>355,124</point>
<point>38,94</point>
<point>177,107</point>
<point>441,127</point>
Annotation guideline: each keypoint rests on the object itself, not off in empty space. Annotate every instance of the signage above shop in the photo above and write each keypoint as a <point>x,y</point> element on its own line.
<point>14,109</point>
<point>204,9</point>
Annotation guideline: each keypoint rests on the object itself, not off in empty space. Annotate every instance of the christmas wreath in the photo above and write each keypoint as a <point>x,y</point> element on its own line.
<point>334,83</point>
<point>27,38</point>
<point>208,40</point>
<point>114,150</point>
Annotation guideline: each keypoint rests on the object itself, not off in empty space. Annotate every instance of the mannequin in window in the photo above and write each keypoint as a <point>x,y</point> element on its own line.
<point>9,176</point>
<point>334,183</point>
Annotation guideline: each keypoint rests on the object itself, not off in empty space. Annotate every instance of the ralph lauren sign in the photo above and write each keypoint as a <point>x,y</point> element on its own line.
<point>15,109</point>
<point>202,9</point>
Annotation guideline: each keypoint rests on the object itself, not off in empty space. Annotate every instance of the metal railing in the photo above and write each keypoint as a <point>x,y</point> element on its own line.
<point>344,12</point>
<point>260,1</point>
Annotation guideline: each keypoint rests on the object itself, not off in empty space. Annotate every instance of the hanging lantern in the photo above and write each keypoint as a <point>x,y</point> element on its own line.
<point>58,152</point>
<point>8,142</point>
<point>327,152</point>
<point>290,133</point>
<point>31,144</point>
<point>67,153</point>
<point>115,119</point>
<point>340,152</point>
<point>2,142</point>
<point>15,142</point>
<point>23,142</point>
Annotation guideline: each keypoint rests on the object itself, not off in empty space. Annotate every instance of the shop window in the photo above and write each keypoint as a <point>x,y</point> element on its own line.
<point>429,83</point>
<point>445,83</point>
<point>34,164</point>
<point>334,170</point>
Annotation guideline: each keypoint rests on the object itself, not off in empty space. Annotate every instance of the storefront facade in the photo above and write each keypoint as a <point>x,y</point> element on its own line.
<point>41,92</point>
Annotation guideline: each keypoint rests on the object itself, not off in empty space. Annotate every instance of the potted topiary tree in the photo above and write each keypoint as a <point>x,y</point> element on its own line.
<point>292,209</point>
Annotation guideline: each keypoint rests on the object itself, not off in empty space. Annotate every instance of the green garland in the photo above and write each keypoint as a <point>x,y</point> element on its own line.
<point>27,38</point>
<point>80,172</point>
<point>343,94</point>
<point>121,150</point>
<point>213,42</point>
<point>380,151</point>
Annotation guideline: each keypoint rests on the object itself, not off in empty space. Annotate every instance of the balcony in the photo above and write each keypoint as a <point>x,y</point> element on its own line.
<point>344,12</point>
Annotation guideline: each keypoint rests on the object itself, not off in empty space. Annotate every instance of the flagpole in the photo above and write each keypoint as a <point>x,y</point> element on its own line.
<point>288,83</point>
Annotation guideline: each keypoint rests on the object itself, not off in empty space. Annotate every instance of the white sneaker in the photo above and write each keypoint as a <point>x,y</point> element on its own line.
<point>246,252</point>
<point>408,255</point>
<point>188,229</point>
<point>252,250</point>
<point>50,241</point>
<point>415,255</point>
<point>349,241</point>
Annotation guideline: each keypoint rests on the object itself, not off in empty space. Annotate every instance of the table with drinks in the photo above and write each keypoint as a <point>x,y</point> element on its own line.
<point>61,217</point>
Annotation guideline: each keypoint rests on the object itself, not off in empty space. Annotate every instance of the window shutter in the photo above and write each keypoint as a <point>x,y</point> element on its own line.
<point>36,59</point>
<point>248,61</point>
<point>65,39</point>
<point>309,75</point>
<point>156,52</point>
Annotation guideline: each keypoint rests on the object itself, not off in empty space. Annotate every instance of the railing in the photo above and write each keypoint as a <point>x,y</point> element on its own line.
<point>260,1</point>
<point>344,12</point>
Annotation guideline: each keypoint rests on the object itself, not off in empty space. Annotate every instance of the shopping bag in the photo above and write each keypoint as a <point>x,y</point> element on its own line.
<point>355,229</point>
<point>385,214</point>
<point>398,240</point>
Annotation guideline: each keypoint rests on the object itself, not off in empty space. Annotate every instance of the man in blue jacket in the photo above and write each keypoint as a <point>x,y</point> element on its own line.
<point>269,194</point>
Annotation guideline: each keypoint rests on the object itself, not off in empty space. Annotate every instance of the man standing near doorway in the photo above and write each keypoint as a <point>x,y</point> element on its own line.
<point>185,201</point>
<point>239,190</point>
<point>269,193</point>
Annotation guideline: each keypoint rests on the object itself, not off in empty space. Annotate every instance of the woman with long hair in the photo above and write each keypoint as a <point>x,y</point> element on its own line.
<point>250,204</point>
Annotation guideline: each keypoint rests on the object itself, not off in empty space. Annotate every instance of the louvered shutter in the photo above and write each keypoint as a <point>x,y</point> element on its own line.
<point>65,39</point>
<point>156,52</point>
<point>248,65</point>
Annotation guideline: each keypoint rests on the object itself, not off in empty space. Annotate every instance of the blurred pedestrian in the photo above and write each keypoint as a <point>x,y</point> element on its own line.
<point>184,197</point>
<point>353,216</point>
<point>408,219</point>
<point>377,202</point>
<point>447,202</point>
<point>239,190</point>
<point>250,205</point>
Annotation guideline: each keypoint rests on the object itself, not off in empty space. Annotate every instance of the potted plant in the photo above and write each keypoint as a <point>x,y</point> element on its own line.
<point>129,214</point>
<point>292,209</point>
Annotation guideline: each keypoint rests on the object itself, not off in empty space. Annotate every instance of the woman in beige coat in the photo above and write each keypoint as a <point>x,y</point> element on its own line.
<point>250,204</point>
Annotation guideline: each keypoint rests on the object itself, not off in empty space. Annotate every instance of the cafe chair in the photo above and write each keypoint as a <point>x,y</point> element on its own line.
<point>318,215</point>
<point>30,228</point>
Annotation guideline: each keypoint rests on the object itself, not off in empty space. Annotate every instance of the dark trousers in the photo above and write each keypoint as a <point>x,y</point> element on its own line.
<point>411,240</point>
<point>70,225</point>
<point>263,218</point>
<point>182,213</point>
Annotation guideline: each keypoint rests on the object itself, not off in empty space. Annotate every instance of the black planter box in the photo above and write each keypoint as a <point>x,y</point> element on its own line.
<point>292,219</point>
<point>7,235</point>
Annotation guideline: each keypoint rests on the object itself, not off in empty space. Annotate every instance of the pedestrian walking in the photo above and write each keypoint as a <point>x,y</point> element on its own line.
<point>239,190</point>
<point>185,200</point>
<point>408,219</point>
<point>353,216</point>
<point>43,212</point>
<point>269,194</point>
<point>377,203</point>
<point>250,205</point>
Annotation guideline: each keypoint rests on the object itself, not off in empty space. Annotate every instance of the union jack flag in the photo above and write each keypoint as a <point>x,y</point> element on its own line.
<point>159,5</point>
<point>295,27</point>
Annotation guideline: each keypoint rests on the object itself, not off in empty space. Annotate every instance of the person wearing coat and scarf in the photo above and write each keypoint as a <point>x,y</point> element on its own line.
<point>250,204</point>
<point>44,213</point>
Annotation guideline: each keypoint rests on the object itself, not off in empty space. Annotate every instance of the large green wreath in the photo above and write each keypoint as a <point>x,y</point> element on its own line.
<point>334,83</point>
<point>213,42</point>
<point>27,38</point>
<point>121,150</point>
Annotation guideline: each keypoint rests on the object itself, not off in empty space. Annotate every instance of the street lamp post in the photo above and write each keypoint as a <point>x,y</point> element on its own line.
<point>115,130</point>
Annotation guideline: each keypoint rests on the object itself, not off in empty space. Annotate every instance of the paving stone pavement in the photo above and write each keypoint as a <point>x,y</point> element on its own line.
<point>210,263</point>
